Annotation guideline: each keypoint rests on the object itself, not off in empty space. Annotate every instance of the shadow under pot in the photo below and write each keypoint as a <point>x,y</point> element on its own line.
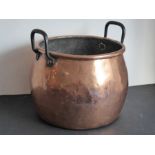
<point>79,82</point>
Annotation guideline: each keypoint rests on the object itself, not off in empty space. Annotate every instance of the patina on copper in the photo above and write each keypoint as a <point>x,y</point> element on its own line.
<point>85,85</point>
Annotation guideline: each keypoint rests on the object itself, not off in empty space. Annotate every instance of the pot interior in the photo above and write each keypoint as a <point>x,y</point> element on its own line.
<point>82,45</point>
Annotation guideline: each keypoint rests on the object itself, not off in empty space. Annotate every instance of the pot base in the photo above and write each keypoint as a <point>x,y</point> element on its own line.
<point>78,128</point>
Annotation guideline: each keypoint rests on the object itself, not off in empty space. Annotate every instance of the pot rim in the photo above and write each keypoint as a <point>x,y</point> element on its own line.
<point>57,54</point>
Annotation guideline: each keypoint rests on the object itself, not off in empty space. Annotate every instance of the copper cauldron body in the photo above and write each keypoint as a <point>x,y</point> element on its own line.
<point>79,82</point>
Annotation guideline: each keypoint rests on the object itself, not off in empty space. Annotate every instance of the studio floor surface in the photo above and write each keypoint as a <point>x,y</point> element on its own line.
<point>18,116</point>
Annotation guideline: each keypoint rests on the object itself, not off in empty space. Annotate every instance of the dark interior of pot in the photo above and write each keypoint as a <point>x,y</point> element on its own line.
<point>82,45</point>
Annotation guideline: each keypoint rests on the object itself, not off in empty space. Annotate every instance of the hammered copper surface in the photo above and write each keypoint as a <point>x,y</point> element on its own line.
<point>79,93</point>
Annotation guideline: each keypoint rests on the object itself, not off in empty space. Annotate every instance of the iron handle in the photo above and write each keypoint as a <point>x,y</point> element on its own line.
<point>50,60</point>
<point>118,24</point>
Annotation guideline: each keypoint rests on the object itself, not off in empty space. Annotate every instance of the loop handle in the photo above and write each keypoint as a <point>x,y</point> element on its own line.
<point>50,60</point>
<point>118,24</point>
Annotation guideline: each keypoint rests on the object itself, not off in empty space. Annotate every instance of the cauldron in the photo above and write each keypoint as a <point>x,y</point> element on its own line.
<point>79,82</point>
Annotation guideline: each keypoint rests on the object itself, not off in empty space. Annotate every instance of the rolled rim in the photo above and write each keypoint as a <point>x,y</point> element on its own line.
<point>58,54</point>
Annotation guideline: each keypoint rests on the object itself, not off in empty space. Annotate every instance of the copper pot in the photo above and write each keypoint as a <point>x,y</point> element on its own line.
<point>79,82</point>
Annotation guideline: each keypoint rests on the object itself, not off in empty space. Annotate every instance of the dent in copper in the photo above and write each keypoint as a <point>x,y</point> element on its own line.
<point>79,93</point>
